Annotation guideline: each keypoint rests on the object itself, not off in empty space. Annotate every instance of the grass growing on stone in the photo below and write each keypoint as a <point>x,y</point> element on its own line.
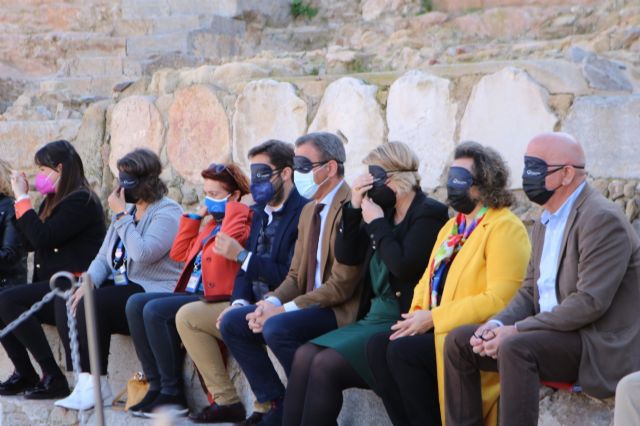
<point>298,8</point>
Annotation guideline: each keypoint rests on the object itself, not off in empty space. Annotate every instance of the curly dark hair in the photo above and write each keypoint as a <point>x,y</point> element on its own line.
<point>490,173</point>
<point>146,166</point>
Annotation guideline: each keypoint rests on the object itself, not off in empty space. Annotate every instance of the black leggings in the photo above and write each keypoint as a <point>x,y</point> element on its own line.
<point>110,301</point>
<point>110,318</point>
<point>406,377</point>
<point>29,335</point>
<point>314,392</point>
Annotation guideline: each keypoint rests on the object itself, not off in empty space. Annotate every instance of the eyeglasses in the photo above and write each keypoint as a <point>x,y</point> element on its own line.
<point>486,335</point>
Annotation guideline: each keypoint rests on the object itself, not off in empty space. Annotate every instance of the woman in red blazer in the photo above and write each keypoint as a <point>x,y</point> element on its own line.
<point>206,275</point>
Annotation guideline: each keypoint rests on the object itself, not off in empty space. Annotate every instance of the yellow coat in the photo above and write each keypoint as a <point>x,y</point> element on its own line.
<point>481,281</point>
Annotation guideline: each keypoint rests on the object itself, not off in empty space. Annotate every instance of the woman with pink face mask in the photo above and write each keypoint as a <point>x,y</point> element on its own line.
<point>65,234</point>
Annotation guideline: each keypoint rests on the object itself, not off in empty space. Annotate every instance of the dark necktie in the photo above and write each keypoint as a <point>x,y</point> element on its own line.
<point>312,246</point>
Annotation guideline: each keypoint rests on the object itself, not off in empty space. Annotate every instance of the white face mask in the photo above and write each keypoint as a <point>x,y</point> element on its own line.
<point>305,183</point>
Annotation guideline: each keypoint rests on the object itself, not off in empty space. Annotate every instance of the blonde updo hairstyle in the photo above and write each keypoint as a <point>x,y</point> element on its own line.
<point>400,162</point>
<point>5,179</point>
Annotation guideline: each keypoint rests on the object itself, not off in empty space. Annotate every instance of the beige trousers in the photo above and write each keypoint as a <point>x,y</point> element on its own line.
<point>627,410</point>
<point>196,324</point>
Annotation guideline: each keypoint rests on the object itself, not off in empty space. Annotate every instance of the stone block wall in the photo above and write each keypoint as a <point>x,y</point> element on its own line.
<point>195,116</point>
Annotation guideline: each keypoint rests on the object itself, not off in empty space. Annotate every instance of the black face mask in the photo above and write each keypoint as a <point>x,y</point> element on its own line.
<point>533,179</point>
<point>130,197</point>
<point>129,183</point>
<point>383,196</point>
<point>458,184</point>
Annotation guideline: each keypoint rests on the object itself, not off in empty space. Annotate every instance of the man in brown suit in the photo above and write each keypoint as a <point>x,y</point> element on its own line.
<point>318,295</point>
<point>575,317</point>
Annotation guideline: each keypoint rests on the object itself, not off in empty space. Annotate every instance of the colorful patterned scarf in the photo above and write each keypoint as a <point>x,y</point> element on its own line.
<point>460,232</point>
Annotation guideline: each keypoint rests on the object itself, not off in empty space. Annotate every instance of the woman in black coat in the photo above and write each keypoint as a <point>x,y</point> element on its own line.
<point>390,227</point>
<point>65,234</point>
<point>13,262</point>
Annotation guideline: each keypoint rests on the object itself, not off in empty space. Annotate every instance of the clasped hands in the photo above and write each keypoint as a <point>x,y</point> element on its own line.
<point>487,338</point>
<point>264,311</point>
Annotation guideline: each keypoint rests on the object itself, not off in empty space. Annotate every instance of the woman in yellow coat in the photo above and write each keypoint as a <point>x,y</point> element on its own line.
<point>477,264</point>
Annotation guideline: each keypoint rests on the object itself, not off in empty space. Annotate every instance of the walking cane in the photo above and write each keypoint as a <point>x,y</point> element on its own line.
<point>90,313</point>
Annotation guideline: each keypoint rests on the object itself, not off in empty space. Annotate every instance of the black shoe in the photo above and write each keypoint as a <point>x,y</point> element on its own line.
<point>173,405</point>
<point>254,419</point>
<point>50,387</point>
<point>220,414</point>
<point>149,397</point>
<point>17,383</point>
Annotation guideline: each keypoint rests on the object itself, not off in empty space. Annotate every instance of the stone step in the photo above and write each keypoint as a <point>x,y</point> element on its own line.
<point>297,38</point>
<point>82,86</point>
<point>93,66</point>
<point>145,46</point>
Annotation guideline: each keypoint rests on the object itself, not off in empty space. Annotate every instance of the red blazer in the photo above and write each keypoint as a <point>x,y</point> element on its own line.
<point>218,273</point>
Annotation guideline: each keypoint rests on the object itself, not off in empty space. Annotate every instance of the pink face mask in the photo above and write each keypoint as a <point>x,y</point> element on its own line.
<point>44,184</point>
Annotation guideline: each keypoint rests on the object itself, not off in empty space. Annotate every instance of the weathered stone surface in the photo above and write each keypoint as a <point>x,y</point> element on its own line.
<point>19,140</point>
<point>135,123</point>
<point>603,74</point>
<point>505,111</point>
<point>616,189</point>
<point>373,9</point>
<point>233,72</point>
<point>89,143</point>
<point>421,113</point>
<point>564,408</point>
<point>198,131</point>
<point>266,109</point>
<point>349,106</point>
<point>607,127</point>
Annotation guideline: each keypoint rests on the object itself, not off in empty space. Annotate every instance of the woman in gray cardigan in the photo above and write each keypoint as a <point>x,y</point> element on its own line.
<point>134,258</point>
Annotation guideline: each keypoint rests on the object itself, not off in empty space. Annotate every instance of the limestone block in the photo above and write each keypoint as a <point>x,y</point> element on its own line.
<point>233,72</point>
<point>505,111</point>
<point>603,74</point>
<point>564,408</point>
<point>266,109</point>
<point>421,113</point>
<point>19,140</point>
<point>373,9</point>
<point>349,106</point>
<point>198,131</point>
<point>135,123</point>
<point>90,140</point>
<point>607,127</point>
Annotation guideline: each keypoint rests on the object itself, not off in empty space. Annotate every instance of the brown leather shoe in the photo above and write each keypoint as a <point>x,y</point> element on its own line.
<point>220,414</point>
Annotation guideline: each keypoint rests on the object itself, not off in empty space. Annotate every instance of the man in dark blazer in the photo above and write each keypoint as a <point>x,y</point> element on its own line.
<point>575,317</point>
<point>264,263</point>
<point>318,294</point>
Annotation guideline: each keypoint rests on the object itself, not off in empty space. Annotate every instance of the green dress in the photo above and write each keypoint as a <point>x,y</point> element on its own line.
<point>351,340</point>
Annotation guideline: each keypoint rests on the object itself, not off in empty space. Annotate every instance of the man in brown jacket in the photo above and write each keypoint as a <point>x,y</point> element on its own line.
<point>575,317</point>
<point>318,295</point>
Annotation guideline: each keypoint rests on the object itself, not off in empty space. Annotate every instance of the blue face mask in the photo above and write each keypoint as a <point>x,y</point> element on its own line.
<point>306,184</point>
<point>216,207</point>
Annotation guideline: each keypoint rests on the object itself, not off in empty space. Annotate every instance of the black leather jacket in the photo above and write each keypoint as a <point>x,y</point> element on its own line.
<point>13,259</point>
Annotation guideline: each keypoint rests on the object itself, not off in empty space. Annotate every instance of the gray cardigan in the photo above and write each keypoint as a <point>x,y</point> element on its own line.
<point>147,246</point>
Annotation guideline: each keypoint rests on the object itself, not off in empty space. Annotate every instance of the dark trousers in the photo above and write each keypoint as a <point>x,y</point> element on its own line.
<point>110,301</point>
<point>314,391</point>
<point>523,360</point>
<point>283,334</point>
<point>152,323</point>
<point>406,377</point>
<point>29,335</point>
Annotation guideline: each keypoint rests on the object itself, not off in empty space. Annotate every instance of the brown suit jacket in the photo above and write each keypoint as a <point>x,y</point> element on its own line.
<point>598,291</point>
<point>339,289</point>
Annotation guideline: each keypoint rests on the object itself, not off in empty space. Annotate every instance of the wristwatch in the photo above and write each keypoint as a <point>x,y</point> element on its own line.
<point>242,256</point>
<point>119,215</point>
